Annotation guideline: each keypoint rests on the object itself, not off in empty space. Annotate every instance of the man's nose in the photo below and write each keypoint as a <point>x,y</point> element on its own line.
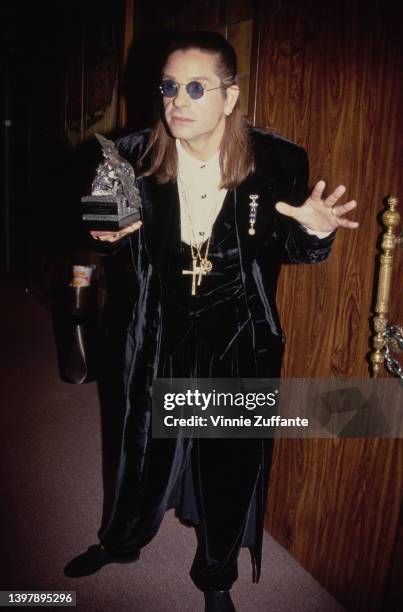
<point>181,98</point>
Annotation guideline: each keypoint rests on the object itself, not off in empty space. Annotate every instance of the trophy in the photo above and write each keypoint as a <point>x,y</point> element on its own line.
<point>115,200</point>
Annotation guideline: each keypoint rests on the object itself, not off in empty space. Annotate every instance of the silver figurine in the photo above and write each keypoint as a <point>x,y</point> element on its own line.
<point>115,201</point>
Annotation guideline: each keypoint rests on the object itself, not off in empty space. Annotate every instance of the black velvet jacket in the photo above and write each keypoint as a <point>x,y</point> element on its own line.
<point>281,174</point>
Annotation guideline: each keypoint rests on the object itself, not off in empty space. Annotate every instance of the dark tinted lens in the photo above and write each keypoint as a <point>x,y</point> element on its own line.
<point>169,88</point>
<point>195,90</point>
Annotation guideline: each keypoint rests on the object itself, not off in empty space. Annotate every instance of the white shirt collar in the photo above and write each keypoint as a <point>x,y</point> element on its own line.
<point>190,163</point>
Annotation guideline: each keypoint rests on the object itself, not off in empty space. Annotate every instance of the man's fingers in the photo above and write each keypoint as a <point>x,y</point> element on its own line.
<point>108,238</point>
<point>130,228</point>
<point>342,209</point>
<point>114,236</point>
<point>286,209</point>
<point>333,197</point>
<point>348,224</point>
<point>318,190</point>
<point>96,233</point>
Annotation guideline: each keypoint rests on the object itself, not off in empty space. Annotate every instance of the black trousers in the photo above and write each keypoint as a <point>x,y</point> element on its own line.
<point>224,474</point>
<point>215,478</point>
<point>210,482</point>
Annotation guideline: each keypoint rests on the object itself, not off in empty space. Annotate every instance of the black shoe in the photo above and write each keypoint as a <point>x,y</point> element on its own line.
<point>93,559</point>
<point>218,601</point>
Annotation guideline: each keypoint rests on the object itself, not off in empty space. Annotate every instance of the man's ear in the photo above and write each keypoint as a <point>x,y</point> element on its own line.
<point>232,97</point>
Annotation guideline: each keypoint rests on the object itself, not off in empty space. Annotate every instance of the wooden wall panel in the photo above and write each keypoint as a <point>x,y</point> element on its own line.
<point>92,74</point>
<point>334,504</point>
<point>329,77</point>
<point>240,36</point>
<point>127,43</point>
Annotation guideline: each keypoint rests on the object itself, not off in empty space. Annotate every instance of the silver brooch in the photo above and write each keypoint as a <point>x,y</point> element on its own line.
<point>253,204</point>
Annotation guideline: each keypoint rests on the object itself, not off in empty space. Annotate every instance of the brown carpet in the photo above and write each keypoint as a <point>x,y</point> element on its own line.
<point>52,495</point>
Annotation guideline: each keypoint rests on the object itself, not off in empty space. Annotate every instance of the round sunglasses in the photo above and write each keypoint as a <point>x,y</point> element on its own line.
<point>194,89</point>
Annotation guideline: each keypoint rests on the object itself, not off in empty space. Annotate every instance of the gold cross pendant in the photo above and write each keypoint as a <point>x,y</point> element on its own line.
<point>197,271</point>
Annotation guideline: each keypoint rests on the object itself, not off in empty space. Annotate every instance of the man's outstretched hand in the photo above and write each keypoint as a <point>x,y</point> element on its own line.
<point>321,215</point>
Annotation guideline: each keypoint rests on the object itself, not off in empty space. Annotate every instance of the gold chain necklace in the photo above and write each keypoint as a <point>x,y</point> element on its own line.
<point>201,265</point>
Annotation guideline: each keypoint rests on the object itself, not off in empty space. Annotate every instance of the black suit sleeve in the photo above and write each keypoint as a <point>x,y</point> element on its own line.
<point>298,245</point>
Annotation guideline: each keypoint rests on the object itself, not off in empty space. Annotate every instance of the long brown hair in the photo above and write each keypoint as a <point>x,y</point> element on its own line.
<point>236,153</point>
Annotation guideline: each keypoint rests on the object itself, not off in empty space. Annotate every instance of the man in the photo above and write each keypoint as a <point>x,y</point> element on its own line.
<point>223,207</point>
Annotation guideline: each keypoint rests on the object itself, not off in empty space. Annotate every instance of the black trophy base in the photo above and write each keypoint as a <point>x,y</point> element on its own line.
<point>112,225</point>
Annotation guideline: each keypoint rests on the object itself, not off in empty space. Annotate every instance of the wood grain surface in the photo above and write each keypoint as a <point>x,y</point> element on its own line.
<point>329,77</point>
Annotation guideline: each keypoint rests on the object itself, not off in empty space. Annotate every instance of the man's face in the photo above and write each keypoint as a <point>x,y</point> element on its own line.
<point>196,120</point>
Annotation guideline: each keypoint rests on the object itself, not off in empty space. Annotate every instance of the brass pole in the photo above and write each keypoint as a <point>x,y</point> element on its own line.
<point>391,220</point>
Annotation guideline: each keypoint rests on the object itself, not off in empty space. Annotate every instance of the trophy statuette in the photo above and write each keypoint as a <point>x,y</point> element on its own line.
<point>115,201</point>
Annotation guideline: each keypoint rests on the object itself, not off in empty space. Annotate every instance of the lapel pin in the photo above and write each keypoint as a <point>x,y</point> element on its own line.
<point>253,204</point>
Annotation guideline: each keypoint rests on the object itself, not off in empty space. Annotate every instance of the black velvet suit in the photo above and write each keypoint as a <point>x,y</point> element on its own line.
<point>281,174</point>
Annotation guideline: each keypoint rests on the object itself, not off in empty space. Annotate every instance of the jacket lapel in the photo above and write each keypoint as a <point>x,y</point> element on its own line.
<point>160,217</point>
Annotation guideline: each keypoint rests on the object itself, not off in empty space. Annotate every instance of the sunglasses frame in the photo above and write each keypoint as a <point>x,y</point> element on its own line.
<point>186,85</point>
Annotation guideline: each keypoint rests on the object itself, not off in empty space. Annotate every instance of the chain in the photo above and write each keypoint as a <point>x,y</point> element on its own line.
<point>393,335</point>
<point>193,241</point>
<point>195,247</point>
